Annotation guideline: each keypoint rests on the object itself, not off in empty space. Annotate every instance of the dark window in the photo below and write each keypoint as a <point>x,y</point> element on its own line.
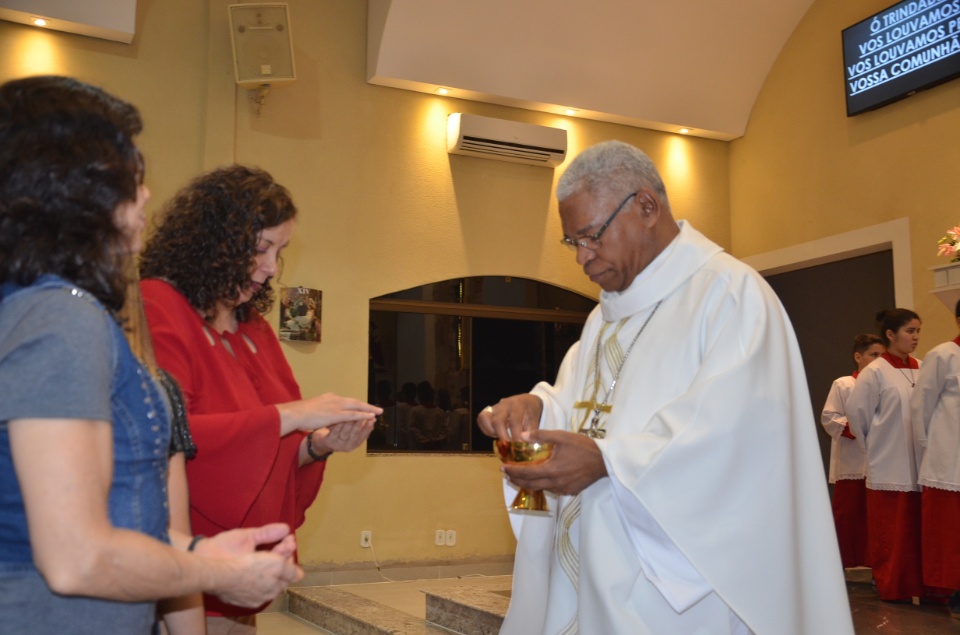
<point>441,352</point>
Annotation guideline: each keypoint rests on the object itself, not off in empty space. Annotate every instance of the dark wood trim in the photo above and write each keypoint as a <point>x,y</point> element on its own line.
<point>479,310</point>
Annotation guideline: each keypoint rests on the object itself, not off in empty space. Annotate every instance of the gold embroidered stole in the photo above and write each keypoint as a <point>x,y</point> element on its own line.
<point>591,424</point>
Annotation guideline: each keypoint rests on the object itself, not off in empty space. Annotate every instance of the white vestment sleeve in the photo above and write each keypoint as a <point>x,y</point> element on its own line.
<point>552,417</point>
<point>535,531</point>
<point>663,564</point>
<point>558,398</point>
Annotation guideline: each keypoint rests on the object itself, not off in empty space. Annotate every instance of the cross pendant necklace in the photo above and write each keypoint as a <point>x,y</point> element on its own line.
<point>913,383</point>
<point>594,429</point>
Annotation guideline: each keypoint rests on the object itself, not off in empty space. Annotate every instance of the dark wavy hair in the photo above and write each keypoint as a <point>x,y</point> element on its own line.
<point>67,161</point>
<point>206,238</point>
<point>893,320</point>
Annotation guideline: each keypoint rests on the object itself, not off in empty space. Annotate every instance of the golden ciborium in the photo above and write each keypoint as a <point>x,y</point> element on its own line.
<point>524,452</point>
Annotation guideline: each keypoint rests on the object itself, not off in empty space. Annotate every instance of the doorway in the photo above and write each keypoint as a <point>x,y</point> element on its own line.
<point>832,289</point>
<point>829,305</point>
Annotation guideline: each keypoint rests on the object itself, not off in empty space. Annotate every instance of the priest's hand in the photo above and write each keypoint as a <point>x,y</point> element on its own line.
<point>511,416</point>
<point>574,464</point>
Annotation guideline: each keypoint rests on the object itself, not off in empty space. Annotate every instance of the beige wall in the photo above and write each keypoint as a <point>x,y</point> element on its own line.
<point>383,207</point>
<point>159,72</point>
<point>805,171</point>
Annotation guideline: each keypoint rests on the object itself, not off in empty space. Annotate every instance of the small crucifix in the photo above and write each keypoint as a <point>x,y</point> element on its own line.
<point>593,430</point>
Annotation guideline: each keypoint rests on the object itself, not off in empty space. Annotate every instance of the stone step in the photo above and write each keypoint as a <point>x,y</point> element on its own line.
<point>344,613</point>
<point>467,609</point>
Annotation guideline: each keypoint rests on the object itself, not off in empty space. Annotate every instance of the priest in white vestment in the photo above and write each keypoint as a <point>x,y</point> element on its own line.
<point>690,490</point>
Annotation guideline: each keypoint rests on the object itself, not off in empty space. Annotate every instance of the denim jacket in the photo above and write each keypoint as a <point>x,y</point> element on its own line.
<point>137,499</point>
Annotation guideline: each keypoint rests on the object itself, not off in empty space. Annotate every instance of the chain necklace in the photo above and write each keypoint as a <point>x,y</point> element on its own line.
<point>594,430</point>
<point>910,378</point>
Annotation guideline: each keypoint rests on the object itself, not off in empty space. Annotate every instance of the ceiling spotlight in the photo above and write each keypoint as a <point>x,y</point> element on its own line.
<point>442,91</point>
<point>684,130</point>
<point>570,111</point>
<point>38,21</point>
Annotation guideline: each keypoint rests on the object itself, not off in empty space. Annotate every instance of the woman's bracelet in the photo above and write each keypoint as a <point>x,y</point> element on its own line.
<point>193,543</point>
<point>313,453</point>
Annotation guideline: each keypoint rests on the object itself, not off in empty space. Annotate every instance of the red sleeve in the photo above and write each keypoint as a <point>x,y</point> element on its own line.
<point>308,485</point>
<point>235,455</point>
<point>275,381</point>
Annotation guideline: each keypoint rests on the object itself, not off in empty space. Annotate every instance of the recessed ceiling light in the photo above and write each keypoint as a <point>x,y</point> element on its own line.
<point>570,111</point>
<point>684,130</point>
<point>38,21</point>
<point>442,91</point>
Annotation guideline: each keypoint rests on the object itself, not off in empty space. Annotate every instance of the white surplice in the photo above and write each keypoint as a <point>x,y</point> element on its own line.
<point>715,516</point>
<point>936,417</point>
<point>878,412</point>
<point>848,460</point>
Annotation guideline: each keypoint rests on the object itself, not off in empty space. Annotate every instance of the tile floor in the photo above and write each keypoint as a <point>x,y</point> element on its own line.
<point>870,616</point>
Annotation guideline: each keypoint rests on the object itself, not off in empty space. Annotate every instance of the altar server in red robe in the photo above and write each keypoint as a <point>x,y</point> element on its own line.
<point>936,422</point>
<point>848,461</point>
<point>879,415</point>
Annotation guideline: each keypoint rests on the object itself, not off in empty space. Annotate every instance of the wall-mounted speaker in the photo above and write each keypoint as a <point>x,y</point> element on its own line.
<point>262,44</point>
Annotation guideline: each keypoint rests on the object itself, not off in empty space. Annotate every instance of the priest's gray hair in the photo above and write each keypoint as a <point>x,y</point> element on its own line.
<point>611,169</point>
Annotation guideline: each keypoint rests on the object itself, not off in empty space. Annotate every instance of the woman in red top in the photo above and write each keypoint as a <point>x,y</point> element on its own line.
<point>261,447</point>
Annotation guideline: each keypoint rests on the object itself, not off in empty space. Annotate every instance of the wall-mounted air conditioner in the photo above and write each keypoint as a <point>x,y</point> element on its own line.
<point>505,140</point>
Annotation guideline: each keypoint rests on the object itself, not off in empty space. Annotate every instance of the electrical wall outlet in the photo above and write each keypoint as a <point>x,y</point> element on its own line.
<point>366,538</point>
<point>440,538</point>
<point>450,539</point>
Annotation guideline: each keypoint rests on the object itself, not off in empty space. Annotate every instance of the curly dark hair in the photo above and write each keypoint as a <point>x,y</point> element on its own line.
<point>67,161</point>
<point>206,239</point>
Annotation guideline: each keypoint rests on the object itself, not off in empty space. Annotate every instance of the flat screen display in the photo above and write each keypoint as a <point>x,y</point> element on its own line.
<point>911,46</point>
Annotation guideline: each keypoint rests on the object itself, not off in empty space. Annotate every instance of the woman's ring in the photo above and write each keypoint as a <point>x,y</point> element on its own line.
<point>489,409</point>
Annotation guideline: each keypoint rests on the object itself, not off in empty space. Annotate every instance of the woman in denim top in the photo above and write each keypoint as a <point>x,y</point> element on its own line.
<point>84,430</point>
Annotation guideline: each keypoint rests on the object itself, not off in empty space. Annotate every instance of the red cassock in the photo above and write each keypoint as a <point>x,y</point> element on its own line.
<point>849,505</point>
<point>848,468</point>
<point>936,403</point>
<point>894,547</point>
<point>941,557</point>
<point>244,474</point>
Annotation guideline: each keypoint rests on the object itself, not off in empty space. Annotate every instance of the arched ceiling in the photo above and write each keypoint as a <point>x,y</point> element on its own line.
<point>662,64</point>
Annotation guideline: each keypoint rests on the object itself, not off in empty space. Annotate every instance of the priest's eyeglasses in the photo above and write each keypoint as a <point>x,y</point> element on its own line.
<point>592,242</point>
